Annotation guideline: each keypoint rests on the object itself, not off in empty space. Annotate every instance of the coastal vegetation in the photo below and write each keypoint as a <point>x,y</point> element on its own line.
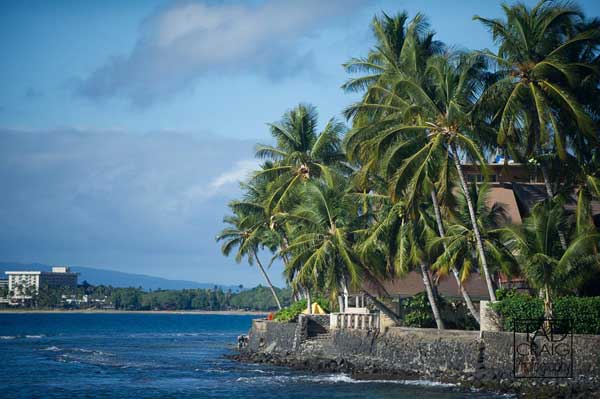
<point>345,206</point>
<point>102,297</point>
<point>583,312</point>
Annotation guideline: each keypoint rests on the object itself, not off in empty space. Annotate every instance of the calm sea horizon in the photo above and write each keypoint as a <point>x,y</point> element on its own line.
<point>46,355</point>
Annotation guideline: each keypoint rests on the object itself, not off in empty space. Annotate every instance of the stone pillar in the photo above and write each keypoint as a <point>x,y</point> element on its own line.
<point>489,319</point>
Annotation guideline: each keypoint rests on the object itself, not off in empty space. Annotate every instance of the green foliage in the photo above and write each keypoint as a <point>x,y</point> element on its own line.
<point>585,312</point>
<point>515,306</point>
<point>418,311</point>
<point>340,210</point>
<point>258,298</point>
<point>291,312</point>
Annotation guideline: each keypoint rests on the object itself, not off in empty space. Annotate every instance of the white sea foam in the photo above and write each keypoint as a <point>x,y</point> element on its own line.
<point>337,379</point>
<point>260,371</point>
<point>35,336</point>
<point>344,378</point>
<point>218,371</point>
<point>7,337</point>
<point>52,348</point>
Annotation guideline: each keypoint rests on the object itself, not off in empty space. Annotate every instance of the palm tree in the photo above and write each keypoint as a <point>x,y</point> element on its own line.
<point>428,126</point>
<point>546,265</point>
<point>321,252</point>
<point>245,233</point>
<point>401,47</point>
<point>583,179</point>
<point>300,154</point>
<point>459,243</point>
<point>533,102</point>
<point>400,240</point>
<point>256,194</point>
<point>386,108</point>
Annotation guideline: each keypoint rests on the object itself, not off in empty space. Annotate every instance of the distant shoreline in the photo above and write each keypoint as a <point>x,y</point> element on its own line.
<point>97,311</point>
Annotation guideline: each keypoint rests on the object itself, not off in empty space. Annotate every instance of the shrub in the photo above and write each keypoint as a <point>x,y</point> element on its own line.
<point>583,311</point>
<point>291,312</point>
<point>416,312</point>
<point>515,306</point>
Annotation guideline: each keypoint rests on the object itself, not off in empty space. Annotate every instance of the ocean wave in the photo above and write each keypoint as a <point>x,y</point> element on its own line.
<point>336,379</point>
<point>21,336</point>
<point>217,371</point>
<point>261,371</point>
<point>52,349</point>
<point>82,352</point>
<point>207,334</point>
<point>347,379</point>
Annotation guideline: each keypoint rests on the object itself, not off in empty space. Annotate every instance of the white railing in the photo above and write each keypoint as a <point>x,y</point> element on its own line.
<point>354,321</point>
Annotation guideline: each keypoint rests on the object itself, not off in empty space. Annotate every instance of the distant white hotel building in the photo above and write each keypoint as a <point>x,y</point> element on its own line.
<point>20,282</point>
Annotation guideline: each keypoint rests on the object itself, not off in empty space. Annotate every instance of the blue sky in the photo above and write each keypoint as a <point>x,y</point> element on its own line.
<point>125,126</point>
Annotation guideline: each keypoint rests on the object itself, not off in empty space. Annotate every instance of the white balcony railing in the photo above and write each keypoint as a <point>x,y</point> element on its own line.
<point>354,321</point>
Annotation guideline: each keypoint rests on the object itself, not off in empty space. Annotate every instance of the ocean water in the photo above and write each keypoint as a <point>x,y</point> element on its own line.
<point>163,356</point>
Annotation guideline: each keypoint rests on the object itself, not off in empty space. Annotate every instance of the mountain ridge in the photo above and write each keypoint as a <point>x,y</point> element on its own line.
<point>97,276</point>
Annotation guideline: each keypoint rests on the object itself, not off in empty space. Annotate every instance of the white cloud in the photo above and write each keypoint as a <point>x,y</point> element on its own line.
<point>225,183</point>
<point>240,172</point>
<point>184,41</point>
<point>121,201</point>
<point>117,188</point>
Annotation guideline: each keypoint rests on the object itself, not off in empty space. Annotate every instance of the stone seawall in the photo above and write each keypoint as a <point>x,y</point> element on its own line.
<point>271,337</point>
<point>463,357</point>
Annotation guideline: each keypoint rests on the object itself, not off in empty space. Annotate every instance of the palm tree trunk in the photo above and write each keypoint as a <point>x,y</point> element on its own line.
<point>550,194</point>
<point>308,302</point>
<point>434,307</point>
<point>461,287</point>
<point>548,311</point>
<point>479,242</point>
<point>264,273</point>
<point>296,296</point>
<point>383,308</point>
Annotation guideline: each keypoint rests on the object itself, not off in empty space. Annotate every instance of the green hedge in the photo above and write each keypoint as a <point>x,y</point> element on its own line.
<point>417,311</point>
<point>291,312</point>
<point>584,311</point>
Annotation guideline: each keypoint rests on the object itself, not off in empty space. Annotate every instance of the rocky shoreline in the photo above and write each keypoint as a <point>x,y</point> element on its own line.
<point>467,359</point>
<point>579,387</point>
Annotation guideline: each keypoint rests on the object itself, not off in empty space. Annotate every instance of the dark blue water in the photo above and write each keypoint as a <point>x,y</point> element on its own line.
<point>161,356</point>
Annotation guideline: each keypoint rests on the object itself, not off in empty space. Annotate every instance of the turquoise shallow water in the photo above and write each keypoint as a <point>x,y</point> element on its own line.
<point>162,356</point>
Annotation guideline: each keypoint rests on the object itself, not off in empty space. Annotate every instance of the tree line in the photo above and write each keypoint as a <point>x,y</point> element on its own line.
<point>107,297</point>
<point>386,193</point>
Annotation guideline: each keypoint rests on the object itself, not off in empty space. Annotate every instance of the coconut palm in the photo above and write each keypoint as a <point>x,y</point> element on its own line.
<point>582,177</point>
<point>428,126</point>
<point>402,47</point>
<point>300,153</point>
<point>546,265</point>
<point>387,108</point>
<point>533,101</point>
<point>459,245</point>
<point>400,240</point>
<point>321,252</point>
<point>255,195</point>
<point>247,233</point>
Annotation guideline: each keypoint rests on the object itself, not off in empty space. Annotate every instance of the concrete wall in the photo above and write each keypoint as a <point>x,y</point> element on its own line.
<point>271,336</point>
<point>426,352</point>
